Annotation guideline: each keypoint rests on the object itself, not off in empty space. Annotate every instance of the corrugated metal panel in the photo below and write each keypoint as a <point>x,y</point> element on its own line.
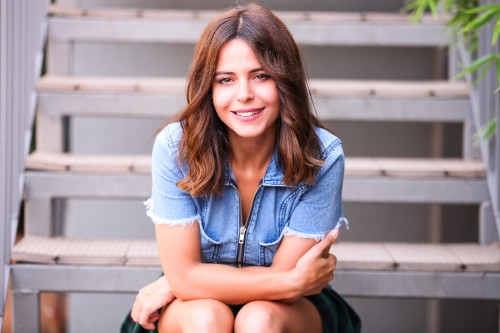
<point>22,31</point>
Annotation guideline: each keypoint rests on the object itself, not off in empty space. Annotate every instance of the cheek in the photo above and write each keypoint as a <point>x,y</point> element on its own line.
<point>221,98</point>
<point>270,95</point>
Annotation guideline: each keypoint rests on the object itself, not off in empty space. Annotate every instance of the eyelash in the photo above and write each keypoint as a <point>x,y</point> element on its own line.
<point>226,80</point>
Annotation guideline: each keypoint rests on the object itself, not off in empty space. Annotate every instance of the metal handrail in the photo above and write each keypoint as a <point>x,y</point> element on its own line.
<point>23,26</point>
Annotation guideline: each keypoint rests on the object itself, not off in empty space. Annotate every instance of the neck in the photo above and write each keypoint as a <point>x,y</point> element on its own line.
<point>252,153</point>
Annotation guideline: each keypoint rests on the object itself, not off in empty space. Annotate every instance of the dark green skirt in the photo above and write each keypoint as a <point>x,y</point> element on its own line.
<point>336,314</point>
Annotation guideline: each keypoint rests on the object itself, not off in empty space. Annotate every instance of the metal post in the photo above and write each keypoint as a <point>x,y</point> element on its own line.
<point>26,312</point>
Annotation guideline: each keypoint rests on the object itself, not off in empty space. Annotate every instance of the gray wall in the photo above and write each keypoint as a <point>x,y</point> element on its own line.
<point>369,222</point>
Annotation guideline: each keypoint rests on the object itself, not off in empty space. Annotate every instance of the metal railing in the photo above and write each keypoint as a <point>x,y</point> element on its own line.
<point>486,106</point>
<point>23,25</point>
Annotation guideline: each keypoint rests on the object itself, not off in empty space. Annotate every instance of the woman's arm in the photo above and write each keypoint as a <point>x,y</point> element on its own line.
<point>149,300</point>
<point>157,294</point>
<point>189,278</point>
<point>290,251</point>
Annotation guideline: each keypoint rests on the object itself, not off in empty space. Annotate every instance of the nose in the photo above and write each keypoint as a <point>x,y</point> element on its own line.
<point>245,92</point>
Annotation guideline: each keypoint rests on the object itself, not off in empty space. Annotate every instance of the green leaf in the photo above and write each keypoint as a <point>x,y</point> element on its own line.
<point>479,21</point>
<point>497,63</point>
<point>482,9</point>
<point>433,7</point>
<point>489,129</point>
<point>477,64</point>
<point>496,32</point>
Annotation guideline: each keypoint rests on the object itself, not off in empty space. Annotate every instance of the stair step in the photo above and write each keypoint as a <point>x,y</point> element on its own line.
<point>334,99</point>
<point>60,250</point>
<point>61,162</point>
<point>364,256</point>
<point>366,179</point>
<point>354,166</point>
<point>185,26</point>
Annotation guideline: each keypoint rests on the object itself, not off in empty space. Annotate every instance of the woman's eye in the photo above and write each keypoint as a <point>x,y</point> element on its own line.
<point>224,80</point>
<point>262,77</point>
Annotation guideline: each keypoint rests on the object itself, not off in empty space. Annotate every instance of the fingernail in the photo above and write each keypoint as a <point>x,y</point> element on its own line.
<point>334,233</point>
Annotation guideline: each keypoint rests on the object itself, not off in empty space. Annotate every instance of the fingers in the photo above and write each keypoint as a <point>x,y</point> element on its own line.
<point>147,318</point>
<point>143,316</point>
<point>324,245</point>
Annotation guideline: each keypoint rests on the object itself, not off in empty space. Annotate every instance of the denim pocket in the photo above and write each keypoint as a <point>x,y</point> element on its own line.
<point>268,250</point>
<point>210,249</point>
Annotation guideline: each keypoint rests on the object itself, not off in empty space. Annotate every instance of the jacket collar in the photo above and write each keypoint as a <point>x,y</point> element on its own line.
<point>272,177</point>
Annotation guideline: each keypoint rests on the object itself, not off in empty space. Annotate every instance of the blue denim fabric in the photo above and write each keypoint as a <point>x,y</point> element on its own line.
<point>278,209</point>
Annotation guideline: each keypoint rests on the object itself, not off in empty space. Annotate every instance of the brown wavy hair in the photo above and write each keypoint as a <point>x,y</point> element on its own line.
<point>204,145</point>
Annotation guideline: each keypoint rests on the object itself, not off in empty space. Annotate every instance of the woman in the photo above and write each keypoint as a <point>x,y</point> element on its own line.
<point>246,188</point>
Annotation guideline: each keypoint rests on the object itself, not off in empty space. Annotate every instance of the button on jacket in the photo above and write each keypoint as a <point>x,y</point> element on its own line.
<point>308,211</point>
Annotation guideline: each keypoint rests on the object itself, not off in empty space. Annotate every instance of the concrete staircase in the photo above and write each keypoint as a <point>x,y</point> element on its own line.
<point>48,261</point>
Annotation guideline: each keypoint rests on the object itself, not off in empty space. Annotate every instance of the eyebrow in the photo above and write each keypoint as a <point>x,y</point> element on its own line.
<point>231,73</point>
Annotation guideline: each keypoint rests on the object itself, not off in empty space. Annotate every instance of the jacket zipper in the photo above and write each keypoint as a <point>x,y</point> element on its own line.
<point>243,227</point>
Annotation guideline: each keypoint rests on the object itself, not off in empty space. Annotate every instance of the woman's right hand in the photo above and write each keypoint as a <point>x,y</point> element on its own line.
<point>149,301</point>
<point>314,270</point>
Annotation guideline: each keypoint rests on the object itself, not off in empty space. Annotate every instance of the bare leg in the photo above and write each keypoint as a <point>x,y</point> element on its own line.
<point>267,316</point>
<point>198,316</point>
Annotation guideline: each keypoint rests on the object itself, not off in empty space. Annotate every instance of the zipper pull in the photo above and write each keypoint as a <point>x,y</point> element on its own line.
<point>242,235</point>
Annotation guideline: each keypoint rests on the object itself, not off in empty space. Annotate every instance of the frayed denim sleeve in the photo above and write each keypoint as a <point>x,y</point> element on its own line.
<point>319,209</point>
<point>168,204</point>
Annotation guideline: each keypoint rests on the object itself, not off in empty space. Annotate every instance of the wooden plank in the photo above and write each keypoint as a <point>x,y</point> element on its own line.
<point>143,253</point>
<point>47,161</point>
<point>338,17</point>
<point>463,168</point>
<point>354,166</point>
<point>308,28</point>
<point>110,84</point>
<point>142,164</point>
<point>410,167</point>
<point>58,250</point>
<point>477,259</point>
<point>36,249</point>
<point>370,256</point>
<point>350,255</point>
<point>61,162</point>
<point>422,257</point>
<point>100,163</point>
<point>319,87</point>
<point>389,89</point>
<point>362,167</point>
<point>92,252</point>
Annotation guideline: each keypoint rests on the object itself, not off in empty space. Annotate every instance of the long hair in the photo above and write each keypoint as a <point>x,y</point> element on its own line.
<point>204,145</point>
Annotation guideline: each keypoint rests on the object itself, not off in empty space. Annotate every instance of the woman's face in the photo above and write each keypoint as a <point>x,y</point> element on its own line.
<point>244,95</point>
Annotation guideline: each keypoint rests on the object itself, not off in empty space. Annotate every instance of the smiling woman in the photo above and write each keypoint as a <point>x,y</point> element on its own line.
<point>246,195</point>
<point>244,95</point>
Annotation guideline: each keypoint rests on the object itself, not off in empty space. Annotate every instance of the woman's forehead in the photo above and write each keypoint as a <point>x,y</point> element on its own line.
<point>236,54</point>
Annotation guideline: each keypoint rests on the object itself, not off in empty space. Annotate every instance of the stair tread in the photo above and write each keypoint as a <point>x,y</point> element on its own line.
<point>350,255</point>
<point>354,166</point>
<point>319,87</point>
<point>338,17</point>
<point>186,26</point>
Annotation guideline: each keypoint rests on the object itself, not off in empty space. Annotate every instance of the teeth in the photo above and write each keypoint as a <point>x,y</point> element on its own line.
<point>247,114</point>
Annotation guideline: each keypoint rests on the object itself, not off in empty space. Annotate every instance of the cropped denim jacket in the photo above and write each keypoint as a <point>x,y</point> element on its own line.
<point>278,210</point>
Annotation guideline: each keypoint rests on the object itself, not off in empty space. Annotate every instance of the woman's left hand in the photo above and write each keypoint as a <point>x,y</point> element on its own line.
<point>315,269</point>
<point>149,300</point>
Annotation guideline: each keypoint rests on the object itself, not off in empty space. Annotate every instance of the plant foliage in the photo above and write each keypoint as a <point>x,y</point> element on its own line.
<point>467,20</point>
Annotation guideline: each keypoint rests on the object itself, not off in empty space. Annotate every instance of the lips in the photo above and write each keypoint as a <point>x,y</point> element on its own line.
<point>247,113</point>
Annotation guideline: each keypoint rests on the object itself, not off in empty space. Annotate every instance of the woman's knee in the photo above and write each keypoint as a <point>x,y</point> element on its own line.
<point>259,316</point>
<point>204,316</point>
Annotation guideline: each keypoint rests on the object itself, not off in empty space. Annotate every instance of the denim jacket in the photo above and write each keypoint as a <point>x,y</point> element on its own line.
<point>278,210</point>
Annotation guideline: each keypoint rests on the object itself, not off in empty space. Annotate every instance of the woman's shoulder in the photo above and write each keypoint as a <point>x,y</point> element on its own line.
<point>329,142</point>
<point>170,135</point>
